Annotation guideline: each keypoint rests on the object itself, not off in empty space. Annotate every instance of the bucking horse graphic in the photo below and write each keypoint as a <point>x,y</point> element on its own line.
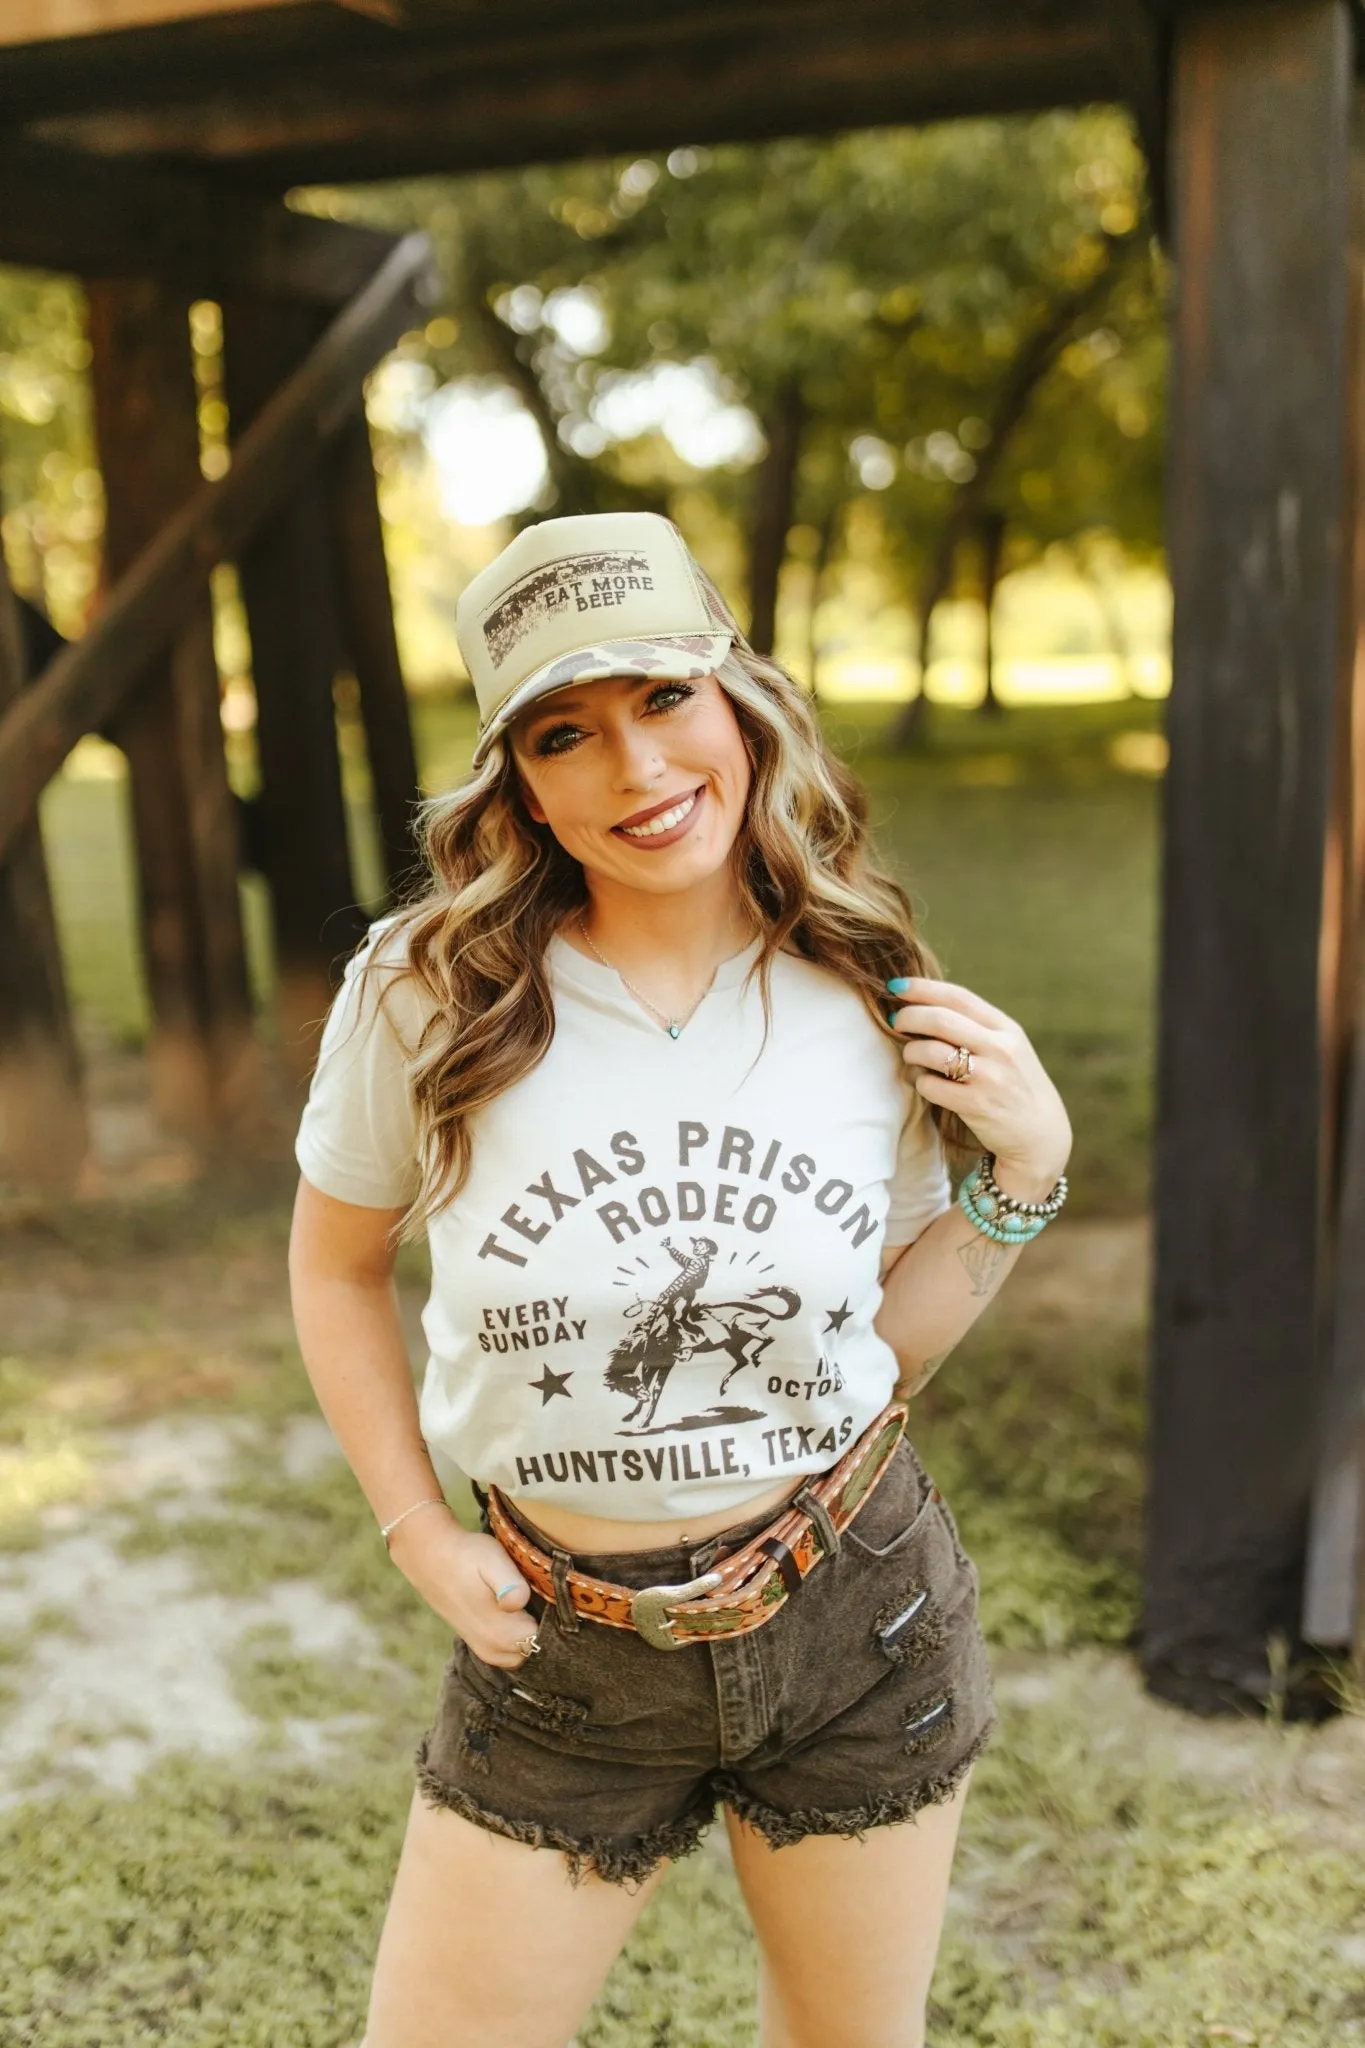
<point>675,1327</point>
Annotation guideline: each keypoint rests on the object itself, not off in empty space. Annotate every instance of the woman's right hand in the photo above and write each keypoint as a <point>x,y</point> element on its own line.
<point>460,1576</point>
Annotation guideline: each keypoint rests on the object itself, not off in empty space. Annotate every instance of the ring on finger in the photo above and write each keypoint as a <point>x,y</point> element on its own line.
<point>529,1645</point>
<point>959,1067</point>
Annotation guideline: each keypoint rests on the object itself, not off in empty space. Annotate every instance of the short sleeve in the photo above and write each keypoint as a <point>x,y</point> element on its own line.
<point>920,1186</point>
<point>358,1137</point>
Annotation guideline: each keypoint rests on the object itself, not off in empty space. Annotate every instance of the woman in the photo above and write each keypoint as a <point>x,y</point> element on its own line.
<point>630,1064</point>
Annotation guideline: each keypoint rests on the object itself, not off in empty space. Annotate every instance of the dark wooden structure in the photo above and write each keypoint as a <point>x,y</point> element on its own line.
<point>151,158</point>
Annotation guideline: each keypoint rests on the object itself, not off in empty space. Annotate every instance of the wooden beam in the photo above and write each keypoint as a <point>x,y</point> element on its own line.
<point>84,686</point>
<point>367,619</point>
<point>1141,55</point>
<point>289,587</point>
<point>1259,480</point>
<point>61,211</point>
<point>538,82</point>
<point>41,21</point>
<point>202,1052</point>
<point>46,21</point>
<point>43,1138</point>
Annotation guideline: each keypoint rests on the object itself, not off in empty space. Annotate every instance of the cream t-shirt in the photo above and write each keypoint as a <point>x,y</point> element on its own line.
<point>654,1295</point>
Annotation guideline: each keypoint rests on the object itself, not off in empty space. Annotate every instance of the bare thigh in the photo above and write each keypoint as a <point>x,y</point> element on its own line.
<point>848,1930</point>
<point>487,1943</point>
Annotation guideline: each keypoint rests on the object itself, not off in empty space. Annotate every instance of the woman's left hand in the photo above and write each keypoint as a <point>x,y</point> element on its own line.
<point>1008,1100</point>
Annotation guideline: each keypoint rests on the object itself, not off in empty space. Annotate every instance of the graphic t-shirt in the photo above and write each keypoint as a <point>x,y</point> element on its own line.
<point>654,1294</point>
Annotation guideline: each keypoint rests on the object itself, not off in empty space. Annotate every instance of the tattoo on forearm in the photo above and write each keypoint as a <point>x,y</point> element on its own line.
<point>922,1378</point>
<point>983,1259</point>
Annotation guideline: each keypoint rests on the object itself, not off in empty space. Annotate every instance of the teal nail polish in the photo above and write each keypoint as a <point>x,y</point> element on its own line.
<point>891,1016</point>
<point>900,986</point>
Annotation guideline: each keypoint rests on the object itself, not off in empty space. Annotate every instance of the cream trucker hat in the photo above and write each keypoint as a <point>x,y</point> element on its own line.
<point>575,600</point>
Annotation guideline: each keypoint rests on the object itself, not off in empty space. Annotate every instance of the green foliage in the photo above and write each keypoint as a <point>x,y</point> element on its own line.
<point>50,491</point>
<point>890,278</point>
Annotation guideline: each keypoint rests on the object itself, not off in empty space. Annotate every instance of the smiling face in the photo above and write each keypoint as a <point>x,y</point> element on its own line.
<point>643,783</point>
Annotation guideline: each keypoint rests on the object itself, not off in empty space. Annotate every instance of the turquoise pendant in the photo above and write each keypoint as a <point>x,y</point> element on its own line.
<point>675,1030</point>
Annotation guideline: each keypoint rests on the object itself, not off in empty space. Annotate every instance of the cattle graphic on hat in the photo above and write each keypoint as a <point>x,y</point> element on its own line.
<point>582,599</point>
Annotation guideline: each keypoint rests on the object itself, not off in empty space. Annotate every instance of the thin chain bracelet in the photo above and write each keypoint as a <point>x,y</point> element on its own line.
<point>388,1527</point>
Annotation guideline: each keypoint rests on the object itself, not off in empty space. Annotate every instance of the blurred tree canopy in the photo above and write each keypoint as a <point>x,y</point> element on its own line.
<point>950,328</point>
<point>949,342</point>
<point>50,491</point>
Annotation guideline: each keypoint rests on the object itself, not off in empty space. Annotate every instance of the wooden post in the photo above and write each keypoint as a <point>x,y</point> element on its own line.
<point>1258,498</point>
<point>42,1121</point>
<point>289,588</point>
<point>202,1049</point>
<point>1334,1593</point>
<point>367,617</point>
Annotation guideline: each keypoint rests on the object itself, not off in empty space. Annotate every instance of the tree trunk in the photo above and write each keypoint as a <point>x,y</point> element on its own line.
<point>1115,627</point>
<point>1030,366</point>
<point>911,729</point>
<point>773,500</point>
<point>990,528</point>
<point>824,553</point>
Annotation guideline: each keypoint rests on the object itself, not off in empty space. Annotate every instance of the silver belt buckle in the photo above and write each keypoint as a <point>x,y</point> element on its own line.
<point>648,1609</point>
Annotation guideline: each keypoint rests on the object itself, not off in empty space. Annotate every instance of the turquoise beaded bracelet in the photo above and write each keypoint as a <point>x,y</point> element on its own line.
<point>999,1216</point>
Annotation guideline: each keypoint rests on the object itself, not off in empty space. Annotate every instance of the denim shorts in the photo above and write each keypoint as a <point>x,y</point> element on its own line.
<point>866,1697</point>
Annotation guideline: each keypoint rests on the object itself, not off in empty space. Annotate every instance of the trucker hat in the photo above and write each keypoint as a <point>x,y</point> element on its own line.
<point>575,600</point>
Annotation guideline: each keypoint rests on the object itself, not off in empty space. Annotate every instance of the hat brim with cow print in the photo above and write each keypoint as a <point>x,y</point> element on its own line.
<point>578,600</point>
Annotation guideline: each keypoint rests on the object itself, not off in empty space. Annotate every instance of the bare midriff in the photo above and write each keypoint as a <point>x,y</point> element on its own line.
<point>585,1534</point>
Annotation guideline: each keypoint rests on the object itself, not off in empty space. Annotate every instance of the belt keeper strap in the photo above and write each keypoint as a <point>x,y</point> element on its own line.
<point>829,1536</point>
<point>561,1564</point>
<point>776,1549</point>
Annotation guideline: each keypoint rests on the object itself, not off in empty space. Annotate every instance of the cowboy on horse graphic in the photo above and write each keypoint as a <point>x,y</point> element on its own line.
<point>673,1328</point>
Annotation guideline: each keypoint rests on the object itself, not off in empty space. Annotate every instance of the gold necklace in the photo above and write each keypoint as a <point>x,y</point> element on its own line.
<point>672,1025</point>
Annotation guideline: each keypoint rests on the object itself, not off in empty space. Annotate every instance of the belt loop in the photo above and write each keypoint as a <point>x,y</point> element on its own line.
<point>560,1567</point>
<point>819,1514</point>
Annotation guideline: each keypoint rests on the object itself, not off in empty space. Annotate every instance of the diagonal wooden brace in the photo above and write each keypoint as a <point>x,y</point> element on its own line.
<point>85,684</point>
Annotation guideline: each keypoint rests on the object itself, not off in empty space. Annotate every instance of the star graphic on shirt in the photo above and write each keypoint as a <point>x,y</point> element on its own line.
<point>551,1383</point>
<point>838,1317</point>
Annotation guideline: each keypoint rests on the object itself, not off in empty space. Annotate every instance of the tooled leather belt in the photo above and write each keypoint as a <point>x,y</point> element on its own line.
<point>743,1590</point>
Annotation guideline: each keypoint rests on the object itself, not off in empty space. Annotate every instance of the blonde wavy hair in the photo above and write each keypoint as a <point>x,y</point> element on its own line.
<point>502,886</point>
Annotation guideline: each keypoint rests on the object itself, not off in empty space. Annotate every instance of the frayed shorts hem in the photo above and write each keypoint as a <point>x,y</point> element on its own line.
<point>782,1830</point>
<point>632,1860</point>
<point>628,1860</point>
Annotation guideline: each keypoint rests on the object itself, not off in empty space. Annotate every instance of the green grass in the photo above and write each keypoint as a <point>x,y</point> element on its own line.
<point>1110,1901</point>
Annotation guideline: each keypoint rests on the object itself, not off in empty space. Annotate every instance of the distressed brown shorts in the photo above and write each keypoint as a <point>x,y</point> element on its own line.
<point>866,1697</point>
